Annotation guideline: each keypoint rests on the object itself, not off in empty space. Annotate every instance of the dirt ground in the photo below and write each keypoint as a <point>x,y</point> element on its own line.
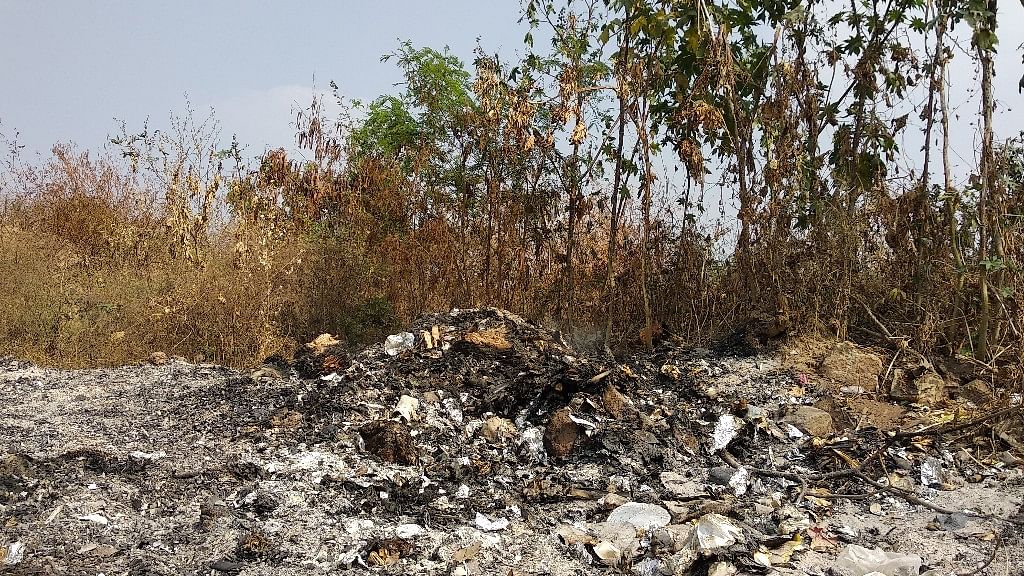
<point>497,450</point>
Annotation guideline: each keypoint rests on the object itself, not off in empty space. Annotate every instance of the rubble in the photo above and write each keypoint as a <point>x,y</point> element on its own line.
<point>562,434</point>
<point>976,391</point>
<point>810,420</point>
<point>929,388</point>
<point>480,443</point>
<point>850,365</point>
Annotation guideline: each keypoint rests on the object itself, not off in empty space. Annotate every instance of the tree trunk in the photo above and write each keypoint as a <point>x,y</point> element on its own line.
<point>609,281</point>
<point>987,104</point>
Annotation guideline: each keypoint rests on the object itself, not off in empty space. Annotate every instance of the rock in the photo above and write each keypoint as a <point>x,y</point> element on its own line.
<point>678,510</point>
<point>613,400</point>
<point>640,515</point>
<point>720,475</point>
<point>226,566</point>
<point>561,434</point>
<point>851,365</point>
<point>612,500</point>
<point>682,486</point>
<point>928,389</point>
<point>158,358</point>
<point>977,392</point>
<point>497,429</point>
<point>390,441</point>
<point>1009,459</point>
<point>811,420</point>
<point>625,537</point>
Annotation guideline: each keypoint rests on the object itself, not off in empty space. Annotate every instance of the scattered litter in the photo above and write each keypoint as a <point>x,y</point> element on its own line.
<point>485,444</point>
<point>407,407</point>
<point>608,553</point>
<point>681,486</point>
<point>98,550</point>
<point>726,430</point>
<point>14,554</point>
<point>643,516</point>
<point>932,473</point>
<point>715,531</point>
<point>467,553</point>
<point>488,525</point>
<point>739,481</point>
<point>398,343</point>
<point>722,569</point>
<point>497,429</point>
<point>95,518</point>
<point>856,560</point>
<point>408,531</point>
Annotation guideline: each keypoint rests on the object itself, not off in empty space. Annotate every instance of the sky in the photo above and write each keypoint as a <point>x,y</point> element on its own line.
<point>72,69</point>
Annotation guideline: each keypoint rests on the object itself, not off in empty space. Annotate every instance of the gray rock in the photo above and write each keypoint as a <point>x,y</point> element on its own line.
<point>811,420</point>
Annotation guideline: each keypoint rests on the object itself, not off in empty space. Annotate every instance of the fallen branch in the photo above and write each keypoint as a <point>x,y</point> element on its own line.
<point>960,426</point>
<point>904,341</point>
<point>806,479</point>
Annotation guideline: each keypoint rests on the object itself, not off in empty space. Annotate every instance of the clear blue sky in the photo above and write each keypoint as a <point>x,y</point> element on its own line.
<point>70,67</point>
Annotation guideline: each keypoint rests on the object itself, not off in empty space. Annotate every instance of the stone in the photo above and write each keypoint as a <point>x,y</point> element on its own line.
<point>977,392</point>
<point>681,486</point>
<point>811,420</point>
<point>679,510</point>
<point>390,441</point>
<point>851,365</point>
<point>613,400</point>
<point>929,388</point>
<point>720,475</point>
<point>498,429</point>
<point>612,500</point>
<point>561,434</point>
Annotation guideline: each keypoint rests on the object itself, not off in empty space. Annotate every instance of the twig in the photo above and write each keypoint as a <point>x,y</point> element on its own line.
<point>914,499</point>
<point>904,342</point>
<point>953,428</point>
<point>805,479</point>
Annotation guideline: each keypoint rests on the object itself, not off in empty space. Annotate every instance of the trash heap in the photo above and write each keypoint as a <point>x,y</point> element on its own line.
<point>480,443</point>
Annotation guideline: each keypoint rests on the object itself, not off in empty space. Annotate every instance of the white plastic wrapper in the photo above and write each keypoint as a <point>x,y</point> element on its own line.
<point>740,481</point>
<point>407,407</point>
<point>15,554</point>
<point>726,430</point>
<point>533,442</point>
<point>398,343</point>
<point>931,472</point>
<point>859,561</point>
<point>715,531</point>
<point>95,518</point>
<point>487,525</point>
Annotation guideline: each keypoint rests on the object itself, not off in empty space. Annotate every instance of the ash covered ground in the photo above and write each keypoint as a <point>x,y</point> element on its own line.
<point>486,445</point>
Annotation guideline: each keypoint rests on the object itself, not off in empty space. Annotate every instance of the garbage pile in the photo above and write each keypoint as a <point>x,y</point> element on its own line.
<point>480,443</point>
